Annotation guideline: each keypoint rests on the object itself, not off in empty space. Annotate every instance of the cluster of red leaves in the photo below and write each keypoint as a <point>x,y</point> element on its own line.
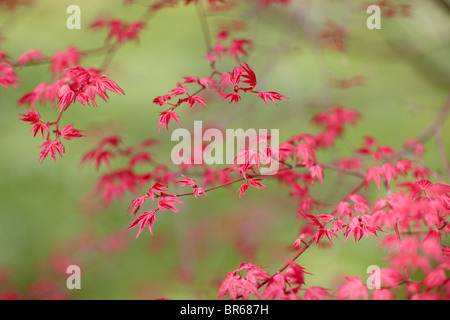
<point>252,279</point>
<point>118,29</point>
<point>8,76</point>
<point>77,84</point>
<point>116,181</point>
<point>241,79</point>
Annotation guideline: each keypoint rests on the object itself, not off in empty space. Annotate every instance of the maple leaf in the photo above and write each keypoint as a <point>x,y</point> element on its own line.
<point>31,116</point>
<point>187,181</point>
<point>206,82</point>
<point>323,231</point>
<point>146,218</point>
<point>435,278</point>
<point>272,96</point>
<point>69,133</point>
<point>193,99</point>
<point>352,290</point>
<point>373,173</point>
<point>136,204</point>
<point>157,187</point>
<point>234,97</point>
<point>316,171</point>
<point>305,152</point>
<point>316,293</point>
<point>256,183</point>
<point>162,99</point>
<point>31,55</point>
<point>168,203</point>
<point>141,157</point>
<point>165,118</point>
<point>382,294</point>
<point>198,192</point>
<point>344,208</point>
<point>229,286</point>
<point>190,79</point>
<point>295,273</point>
<point>299,191</point>
<point>236,47</point>
<point>242,189</point>
<point>40,127</point>
<point>249,75</point>
<point>276,287</point>
<point>391,277</point>
<point>51,146</point>
<point>179,90</point>
<point>389,171</point>
<point>8,75</point>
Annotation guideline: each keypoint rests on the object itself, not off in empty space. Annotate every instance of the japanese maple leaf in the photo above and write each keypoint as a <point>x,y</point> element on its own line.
<point>242,189</point>
<point>305,152</point>
<point>198,192</point>
<point>100,156</point>
<point>373,173</point>
<point>30,56</point>
<point>145,219</point>
<point>236,47</point>
<point>187,181</point>
<point>256,183</point>
<point>352,290</point>
<point>165,118</point>
<point>157,187</point>
<point>295,273</point>
<point>162,99</point>
<point>229,286</point>
<point>272,96</point>
<point>389,171</point>
<point>234,97</point>
<point>8,75</point>
<point>142,157</point>
<point>316,293</point>
<point>69,133</point>
<point>317,171</point>
<point>256,274</point>
<point>43,127</point>
<point>190,79</point>
<point>225,81</point>
<point>206,82</point>
<point>51,146</point>
<point>435,278</point>
<point>113,141</point>
<point>324,231</point>
<point>344,208</point>
<point>249,75</point>
<point>179,90</point>
<point>193,99</point>
<point>168,203</point>
<point>276,287</point>
<point>299,191</point>
<point>31,116</point>
<point>391,277</point>
<point>235,75</point>
<point>136,204</point>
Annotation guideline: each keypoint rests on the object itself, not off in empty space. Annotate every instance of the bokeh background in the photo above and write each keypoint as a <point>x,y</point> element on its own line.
<point>50,218</point>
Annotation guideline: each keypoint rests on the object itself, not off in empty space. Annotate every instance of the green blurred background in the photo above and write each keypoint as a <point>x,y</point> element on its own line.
<point>45,213</point>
